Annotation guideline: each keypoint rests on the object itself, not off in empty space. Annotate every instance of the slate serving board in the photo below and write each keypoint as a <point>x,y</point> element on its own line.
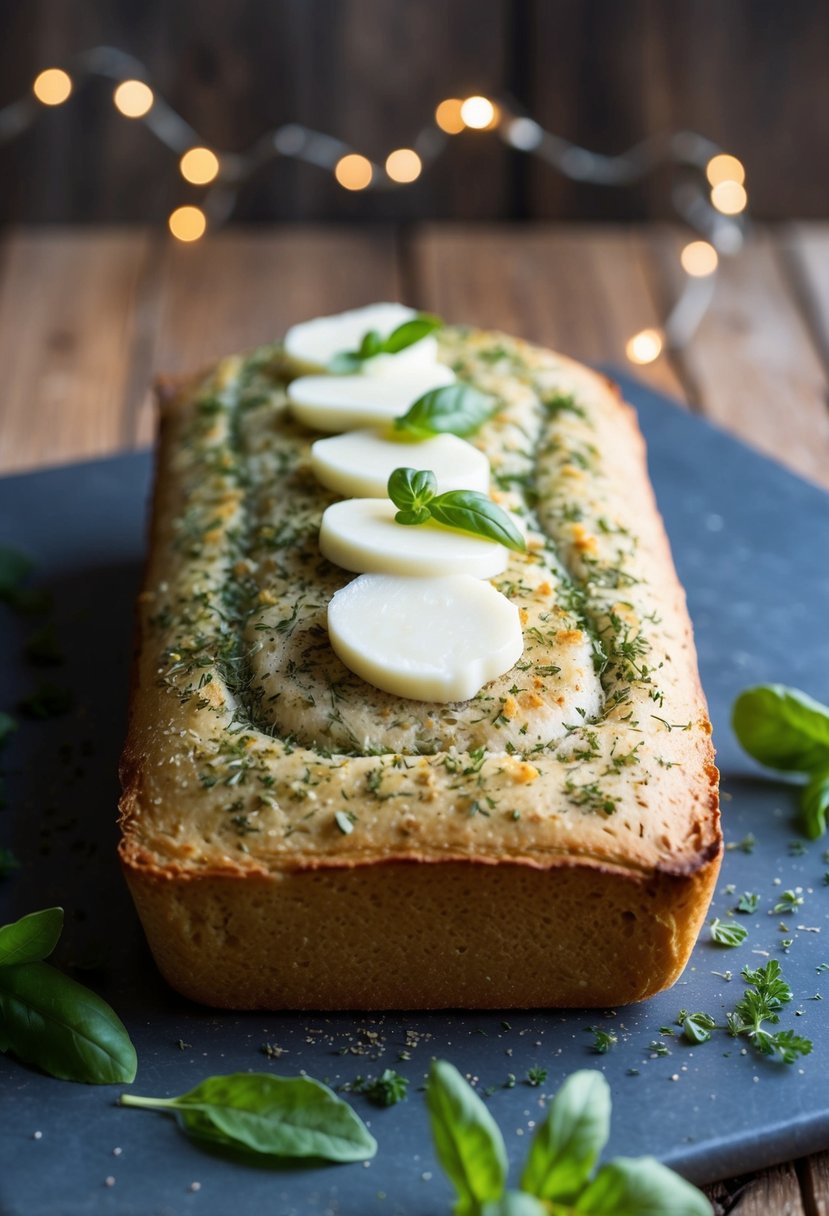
<point>751,543</point>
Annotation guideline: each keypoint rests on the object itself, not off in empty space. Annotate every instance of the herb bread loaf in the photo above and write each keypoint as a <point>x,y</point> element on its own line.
<point>296,838</point>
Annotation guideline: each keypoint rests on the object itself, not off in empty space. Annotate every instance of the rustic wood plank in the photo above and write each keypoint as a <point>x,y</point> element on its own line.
<point>753,365</point>
<point>806,250</point>
<point>580,290</point>
<point>244,287</point>
<point>814,1182</point>
<point>774,1192</point>
<point>67,299</point>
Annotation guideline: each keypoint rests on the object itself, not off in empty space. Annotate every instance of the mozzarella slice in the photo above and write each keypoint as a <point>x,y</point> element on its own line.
<point>358,464</point>
<point>428,639</point>
<point>315,343</point>
<point>343,403</point>
<point>360,534</point>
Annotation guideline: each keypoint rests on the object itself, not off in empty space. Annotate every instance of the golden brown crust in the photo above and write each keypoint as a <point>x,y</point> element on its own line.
<point>584,866</point>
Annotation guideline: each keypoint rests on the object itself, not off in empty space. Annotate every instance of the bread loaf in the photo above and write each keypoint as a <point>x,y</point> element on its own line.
<point>296,838</point>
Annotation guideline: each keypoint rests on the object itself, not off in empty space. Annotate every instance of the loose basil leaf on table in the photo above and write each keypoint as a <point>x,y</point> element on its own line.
<point>468,1141</point>
<point>640,1186</point>
<point>814,804</point>
<point>372,343</point>
<point>782,727</point>
<point>285,1117</point>
<point>568,1143</point>
<point>32,938</point>
<point>455,409</point>
<point>50,1020</point>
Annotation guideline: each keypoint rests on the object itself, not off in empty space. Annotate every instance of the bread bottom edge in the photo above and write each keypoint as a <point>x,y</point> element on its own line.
<point>429,936</point>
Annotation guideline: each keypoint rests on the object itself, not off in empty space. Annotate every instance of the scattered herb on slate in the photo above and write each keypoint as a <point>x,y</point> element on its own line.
<point>603,1040</point>
<point>536,1076</point>
<point>266,1116</point>
<point>413,492</point>
<point>47,701</point>
<point>373,343</point>
<point>727,933</point>
<point>15,568</point>
<point>746,845</point>
<point>561,1165</point>
<point>787,730</point>
<point>789,901</point>
<point>386,1090</point>
<point>50,1020</point>
<point>761,1003</point>
<point>696,1027</point>
<point>455,409</point>
<point>748,902</point>
<point>8,863</point>
<point>7,726</point>
<point>659,1048</point>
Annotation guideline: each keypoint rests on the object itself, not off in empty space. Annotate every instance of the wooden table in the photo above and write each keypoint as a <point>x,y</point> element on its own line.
<point>87,316</point>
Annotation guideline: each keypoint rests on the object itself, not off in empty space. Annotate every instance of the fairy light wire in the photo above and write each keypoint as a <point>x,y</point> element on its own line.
<point>708,192</point>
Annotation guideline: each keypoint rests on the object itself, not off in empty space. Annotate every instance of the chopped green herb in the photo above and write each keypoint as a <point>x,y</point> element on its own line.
<point>658,1048</point>
<point>696,1027</point>
<point>386,1090</point>
<point>345,822</point>
<point>761,1004</point>
<point>748,902</point>
<point>789,901</point>
<point>536,1076</point>
<point>727,933</point>
<point>746,845</point>
<point>603,1040</point>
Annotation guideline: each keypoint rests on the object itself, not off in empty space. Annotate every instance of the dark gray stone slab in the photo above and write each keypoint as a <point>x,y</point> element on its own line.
<point>751,542</point>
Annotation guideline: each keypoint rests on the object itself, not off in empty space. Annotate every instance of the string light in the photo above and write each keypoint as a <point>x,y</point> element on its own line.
<point>711,201</point>
<point>187,223</point>
<point>645,347</point>
<point>133,98</point>
<point>729,197</point>
<point>725,168</point>
<point>52,86</point>
<point>403,165</point>
<point>199,166</point>
<point>354,172</point>
<point>699,259</point>
<point>478,113</point>
<point>448,116</point>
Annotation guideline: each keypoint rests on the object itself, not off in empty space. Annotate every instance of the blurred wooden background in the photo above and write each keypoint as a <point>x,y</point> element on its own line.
<point>751,74</point>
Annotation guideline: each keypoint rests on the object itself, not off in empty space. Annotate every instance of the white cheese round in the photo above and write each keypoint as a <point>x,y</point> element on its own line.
<point>360,534</point>
<point>358,464</point>
<point>428,639</point>
<point>315,343</point>
<point>343,403</point>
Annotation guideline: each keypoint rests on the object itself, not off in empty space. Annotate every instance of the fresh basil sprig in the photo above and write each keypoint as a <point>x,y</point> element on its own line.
<point>373,343</point>
<point>256,1113</point>
<point>413,492</point>
<point>560,1167</point>
<point>455,409</point>
<point>50,1020</point>
<point>787,730</point>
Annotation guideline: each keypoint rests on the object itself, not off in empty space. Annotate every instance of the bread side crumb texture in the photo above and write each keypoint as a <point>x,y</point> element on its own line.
<point>295,838</point>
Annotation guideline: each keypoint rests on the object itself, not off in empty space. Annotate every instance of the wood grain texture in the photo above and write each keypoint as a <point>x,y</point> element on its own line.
<point>67,306</point>
<point>753,366</point>
<point>814,1182</point>
<point>774,1192</point>
<point>805,248</point>
<point>580,290</point>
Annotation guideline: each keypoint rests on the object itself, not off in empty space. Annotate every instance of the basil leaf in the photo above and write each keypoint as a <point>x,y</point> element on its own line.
<point>411,490</point>
<point>515,1203</point>
<point>782,727</point>
<point>471,511</point>
<point>410,332</point>
<point>468,1142</point>
<point>31,938</point>
<point>271,1116</point>
<point>696,1027</point>
<point>455,409</point>
<point>814,804</point>
<point>568,1143</point>
<point>641,1186</point>
<point>52,1021</point>
<point>727,933</point>
<point>345,364</point>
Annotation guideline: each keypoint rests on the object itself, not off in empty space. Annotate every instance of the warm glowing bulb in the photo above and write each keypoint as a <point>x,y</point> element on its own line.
<point>645,346</point>
<point>699,259</point>
<point>199,166</point>
<point>187,223</point>
<point>133,98</point>
<point>52,87</point>
<point>725,168</point>
<point>478,113</point>
<point>403,165</point>
<point>448,116</point>
<point>729,197</point>
<point>354,172</point>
